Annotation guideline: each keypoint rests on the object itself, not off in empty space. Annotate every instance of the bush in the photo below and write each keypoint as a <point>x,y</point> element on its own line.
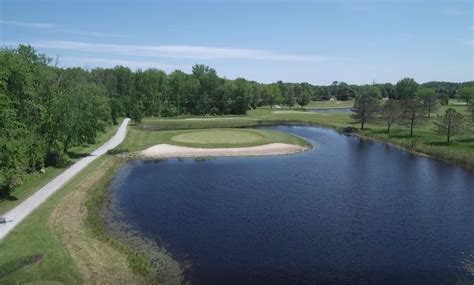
<point>349,130</point>
<point>56,158</point>
<point>117,151</point>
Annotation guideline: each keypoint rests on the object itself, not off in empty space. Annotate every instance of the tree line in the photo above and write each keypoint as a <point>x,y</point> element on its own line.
<point>46,110</point>
<point>409,105</point>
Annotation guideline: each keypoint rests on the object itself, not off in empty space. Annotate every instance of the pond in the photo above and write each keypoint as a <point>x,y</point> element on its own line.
<point>348,211</point>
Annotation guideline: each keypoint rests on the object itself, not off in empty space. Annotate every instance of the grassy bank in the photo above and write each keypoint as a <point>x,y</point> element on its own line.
<point>66,238</point>
<point>36,180</point>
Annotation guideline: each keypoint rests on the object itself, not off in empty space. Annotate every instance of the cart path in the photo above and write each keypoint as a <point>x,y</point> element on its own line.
<point>17,214</point>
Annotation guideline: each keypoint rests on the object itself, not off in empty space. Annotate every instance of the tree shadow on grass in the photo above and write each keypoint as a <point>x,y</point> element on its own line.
<point>401,136</point>
<point>76,155</point>
<point>469,140</point>
<point>6,196</point>
<point>438,143</point>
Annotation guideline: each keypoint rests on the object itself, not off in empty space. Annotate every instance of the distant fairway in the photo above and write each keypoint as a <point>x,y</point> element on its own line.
<point>218,137</point>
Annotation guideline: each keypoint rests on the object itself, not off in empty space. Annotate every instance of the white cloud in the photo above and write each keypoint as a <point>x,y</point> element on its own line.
<point>57,28</point>
<point>177,51</point>
<point>28,24</point>
<point>107,62</point>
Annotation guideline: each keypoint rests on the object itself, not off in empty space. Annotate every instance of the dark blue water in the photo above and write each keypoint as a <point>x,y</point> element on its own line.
<point>331,110</point>
<point>348,211</point>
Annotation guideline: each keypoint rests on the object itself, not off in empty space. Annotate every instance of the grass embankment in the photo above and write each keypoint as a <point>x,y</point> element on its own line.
<point>139,139</point>
<point>425,141</point>
<point>36,180</point>
<point>64,233</point>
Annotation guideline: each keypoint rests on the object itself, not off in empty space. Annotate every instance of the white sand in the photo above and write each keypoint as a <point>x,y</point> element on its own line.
<point>171,151</point>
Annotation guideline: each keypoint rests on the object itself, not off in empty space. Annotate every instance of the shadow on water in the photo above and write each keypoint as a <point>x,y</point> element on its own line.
<point>349,211</point>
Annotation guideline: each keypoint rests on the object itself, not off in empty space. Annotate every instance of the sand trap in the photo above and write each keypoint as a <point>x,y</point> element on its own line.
<point>170,151</point>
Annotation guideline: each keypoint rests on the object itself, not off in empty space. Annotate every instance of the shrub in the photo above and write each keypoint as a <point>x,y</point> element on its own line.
<point>117,151</point>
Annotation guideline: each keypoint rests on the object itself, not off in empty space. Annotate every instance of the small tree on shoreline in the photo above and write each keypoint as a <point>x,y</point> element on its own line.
<point>366,106</point>
<point>451,123</point>
<point>390,113</point>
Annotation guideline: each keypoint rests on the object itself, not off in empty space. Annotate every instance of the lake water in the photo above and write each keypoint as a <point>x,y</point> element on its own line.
<point>349,211</point>
<point>331,110</point>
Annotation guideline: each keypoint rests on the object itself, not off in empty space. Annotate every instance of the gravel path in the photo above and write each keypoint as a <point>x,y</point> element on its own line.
<point>17,214</point>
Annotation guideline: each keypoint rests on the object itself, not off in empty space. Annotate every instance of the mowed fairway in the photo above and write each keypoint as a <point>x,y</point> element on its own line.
<point>219,136</point>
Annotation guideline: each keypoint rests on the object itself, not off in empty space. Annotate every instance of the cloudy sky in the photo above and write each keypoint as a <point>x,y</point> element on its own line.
<point>314,41</point>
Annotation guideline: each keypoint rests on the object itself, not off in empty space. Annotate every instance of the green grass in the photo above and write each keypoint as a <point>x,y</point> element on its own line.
<point>222,136</point>
<point>426,140</point>
<point>139,139</point>
<point>36,180</point>
<point>331,104</point>
<point>33,237</point>
<point>161,124</point>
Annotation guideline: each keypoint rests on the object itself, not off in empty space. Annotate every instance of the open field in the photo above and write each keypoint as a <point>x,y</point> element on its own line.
<point>37,180</point>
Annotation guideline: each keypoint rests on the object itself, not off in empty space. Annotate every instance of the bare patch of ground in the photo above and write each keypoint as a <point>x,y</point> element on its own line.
<point>98,262</point>
<point>170,151</point>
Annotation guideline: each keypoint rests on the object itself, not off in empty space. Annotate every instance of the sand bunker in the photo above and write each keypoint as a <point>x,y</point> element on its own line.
<point>171,151</point>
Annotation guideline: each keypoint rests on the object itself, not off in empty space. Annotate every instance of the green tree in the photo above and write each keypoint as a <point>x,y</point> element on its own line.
<point>470,109</point>
<point>429,99</point>
<point>289,98</point>
<point>390,113</point>
<point>303,97</point>
<point>366,106</point>
<point>451,123</point>
<point>406,89</point>
<point>271,95</point>
<point>13,151</point>
<point>467,94</point>
<point>412,106</point>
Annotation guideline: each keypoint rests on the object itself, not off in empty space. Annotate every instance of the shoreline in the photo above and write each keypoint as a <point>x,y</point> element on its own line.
<point>176,151</point>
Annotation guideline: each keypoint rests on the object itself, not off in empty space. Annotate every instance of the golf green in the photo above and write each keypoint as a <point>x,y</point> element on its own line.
<point>218,137</point>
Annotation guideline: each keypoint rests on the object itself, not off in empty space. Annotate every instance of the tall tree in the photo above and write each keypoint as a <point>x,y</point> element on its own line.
<point>390,113</point>
<point>451,123</point>
<point>413,109</point>
<point>289,98</point>
<point>13,150</point>
<point>429,99</point>
<point>406,89</point>
<point>467,94</point>
<point>303,97</point>
<point>366,106</point>
<point>470,109</point>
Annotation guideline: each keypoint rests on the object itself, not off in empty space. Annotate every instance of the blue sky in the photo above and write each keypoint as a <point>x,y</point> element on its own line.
<point>296,41</point>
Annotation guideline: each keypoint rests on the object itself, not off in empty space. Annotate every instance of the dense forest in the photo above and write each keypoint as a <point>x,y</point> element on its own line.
<point>45,110</point>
